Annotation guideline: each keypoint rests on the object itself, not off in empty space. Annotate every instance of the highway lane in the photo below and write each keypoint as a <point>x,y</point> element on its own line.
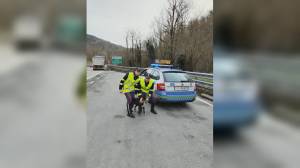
<point>91,73</point>
<point>179,136</point>
<point>42,123</point>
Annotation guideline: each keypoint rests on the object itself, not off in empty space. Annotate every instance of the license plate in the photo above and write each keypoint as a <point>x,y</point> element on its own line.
<point>179,88</point>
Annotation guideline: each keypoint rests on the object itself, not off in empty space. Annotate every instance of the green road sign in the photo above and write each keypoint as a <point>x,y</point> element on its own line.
<point>117,60</point>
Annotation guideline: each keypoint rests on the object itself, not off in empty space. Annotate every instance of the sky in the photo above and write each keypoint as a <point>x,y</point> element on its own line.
<point>111,19</point>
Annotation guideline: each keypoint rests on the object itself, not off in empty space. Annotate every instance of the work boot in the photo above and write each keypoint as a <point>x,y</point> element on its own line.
<point>153,111</point>
<point>130,114</point>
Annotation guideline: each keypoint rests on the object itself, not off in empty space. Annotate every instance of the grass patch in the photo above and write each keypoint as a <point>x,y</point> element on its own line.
<point>81,87</point>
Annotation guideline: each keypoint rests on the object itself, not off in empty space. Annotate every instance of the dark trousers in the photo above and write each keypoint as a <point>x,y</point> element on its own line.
<point>130,100</point>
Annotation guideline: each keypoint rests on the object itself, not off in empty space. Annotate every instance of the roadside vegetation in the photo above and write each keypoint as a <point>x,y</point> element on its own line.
<point>81,87</point>
<point>186,41</point>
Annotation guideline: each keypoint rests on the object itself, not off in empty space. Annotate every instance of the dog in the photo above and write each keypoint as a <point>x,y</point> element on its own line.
<point>139,101</point>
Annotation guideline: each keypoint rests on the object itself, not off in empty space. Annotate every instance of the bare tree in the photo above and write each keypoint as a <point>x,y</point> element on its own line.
<point>134,48</point>
<point>192,42</point>
<point>150,46</point>
<point>176,17</point>
<point>186,42</point>
<point>126,59</point>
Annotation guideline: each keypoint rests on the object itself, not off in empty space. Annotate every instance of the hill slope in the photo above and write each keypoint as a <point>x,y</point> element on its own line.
<point>94,41</point>
<point>98,46</point>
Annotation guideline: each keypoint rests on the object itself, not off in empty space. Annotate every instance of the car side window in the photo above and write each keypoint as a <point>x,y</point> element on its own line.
<point>155,75</point>
<point>149,71</point>
<point>144,72</point>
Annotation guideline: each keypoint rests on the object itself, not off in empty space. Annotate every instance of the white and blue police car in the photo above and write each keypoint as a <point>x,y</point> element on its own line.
<point>171,85</point>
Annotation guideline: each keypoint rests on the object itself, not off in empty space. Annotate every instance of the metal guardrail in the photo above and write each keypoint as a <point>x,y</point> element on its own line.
<point>122,68</point>
<point>204,81</point>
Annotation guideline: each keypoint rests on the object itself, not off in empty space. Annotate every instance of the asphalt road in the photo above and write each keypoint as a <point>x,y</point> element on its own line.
<point>179,136</point>
<point>42,123</point>
<point>91,73</point>
<point>269,143</point>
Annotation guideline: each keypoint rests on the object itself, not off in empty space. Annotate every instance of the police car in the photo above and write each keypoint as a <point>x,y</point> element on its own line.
<point>236,102</point>
<point>171,85</point>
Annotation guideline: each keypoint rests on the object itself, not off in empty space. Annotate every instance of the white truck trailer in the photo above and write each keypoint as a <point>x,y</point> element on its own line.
<point>98,62</point>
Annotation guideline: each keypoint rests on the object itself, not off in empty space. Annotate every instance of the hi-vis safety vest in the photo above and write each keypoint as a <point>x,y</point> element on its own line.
<point>129,83</point>
<point>145,88</point>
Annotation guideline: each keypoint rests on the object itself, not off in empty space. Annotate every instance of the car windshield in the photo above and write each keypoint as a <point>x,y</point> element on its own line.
<point>176,77</point>
<point>231,70</point>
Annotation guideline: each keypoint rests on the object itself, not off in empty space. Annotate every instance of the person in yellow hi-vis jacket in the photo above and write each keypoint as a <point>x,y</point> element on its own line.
<point>127,86</point>
<point>145,88</point>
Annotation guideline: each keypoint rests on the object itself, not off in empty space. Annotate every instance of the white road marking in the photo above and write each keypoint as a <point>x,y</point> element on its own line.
<point>91,73</point>
<point>205,102</point>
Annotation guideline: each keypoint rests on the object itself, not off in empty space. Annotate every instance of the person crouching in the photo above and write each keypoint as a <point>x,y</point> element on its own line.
<point>146,89</point>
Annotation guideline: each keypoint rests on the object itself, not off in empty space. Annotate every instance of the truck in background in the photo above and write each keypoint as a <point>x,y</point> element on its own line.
<point>98,62</point>
<point>28,32</point>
